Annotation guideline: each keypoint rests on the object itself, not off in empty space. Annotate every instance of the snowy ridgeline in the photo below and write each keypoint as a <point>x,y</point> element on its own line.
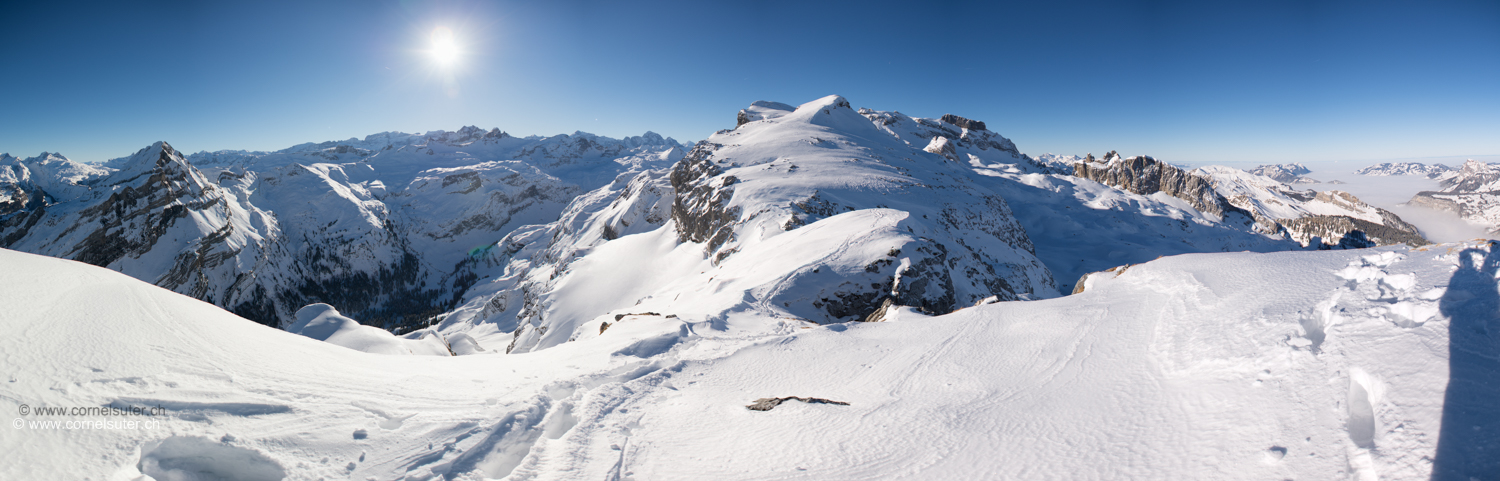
<point>387,229</point>
<point>1344,364</point>
<point>818,212</point>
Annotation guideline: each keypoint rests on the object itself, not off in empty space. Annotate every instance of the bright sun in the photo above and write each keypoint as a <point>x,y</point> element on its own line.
<point>444,46</point>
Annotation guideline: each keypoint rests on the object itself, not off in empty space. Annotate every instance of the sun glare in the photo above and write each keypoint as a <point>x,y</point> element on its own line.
<point>444,46</point>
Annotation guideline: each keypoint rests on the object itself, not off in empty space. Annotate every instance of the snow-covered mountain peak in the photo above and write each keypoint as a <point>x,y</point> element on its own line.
<point>148,158</point>
<point>828,102</point>
<point>763,110</point>
<point>1472,166</point>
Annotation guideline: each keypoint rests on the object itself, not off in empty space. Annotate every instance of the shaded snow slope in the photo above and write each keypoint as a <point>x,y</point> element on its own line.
<point>1316,365</point>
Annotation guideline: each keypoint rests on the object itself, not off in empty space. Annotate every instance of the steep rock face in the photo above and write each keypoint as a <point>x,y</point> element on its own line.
<point>157,219</point>
<point>1145,175</point>
<point>700,207</point>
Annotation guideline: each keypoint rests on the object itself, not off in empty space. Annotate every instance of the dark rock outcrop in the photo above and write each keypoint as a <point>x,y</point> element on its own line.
<point>963,122</point>
<point>700,206</point>
<point>769,403</point>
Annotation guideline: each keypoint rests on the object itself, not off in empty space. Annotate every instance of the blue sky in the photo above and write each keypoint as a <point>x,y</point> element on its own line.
<point>1188,82</point>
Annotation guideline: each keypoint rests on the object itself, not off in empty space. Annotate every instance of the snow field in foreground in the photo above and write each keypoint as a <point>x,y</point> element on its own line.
<point>1301,365</point>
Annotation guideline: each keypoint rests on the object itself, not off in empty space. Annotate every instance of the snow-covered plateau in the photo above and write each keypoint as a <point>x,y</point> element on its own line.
<point>820,292</point>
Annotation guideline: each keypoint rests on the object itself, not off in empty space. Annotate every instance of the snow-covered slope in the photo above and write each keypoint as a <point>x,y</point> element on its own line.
<point>1405,168</point>
<point>1358,364</point>
<point>813,213</point>
<point>809,213</point>
<point>384,228</point>
<point>507,239</point>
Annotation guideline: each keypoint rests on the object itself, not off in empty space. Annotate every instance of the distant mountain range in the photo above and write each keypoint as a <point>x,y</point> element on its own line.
<point>580,307</point>
<point>477,230</point>
<point>1405,168</point>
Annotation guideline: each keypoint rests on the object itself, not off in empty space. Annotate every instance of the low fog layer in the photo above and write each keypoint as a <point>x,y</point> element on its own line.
<point>1392,193</point>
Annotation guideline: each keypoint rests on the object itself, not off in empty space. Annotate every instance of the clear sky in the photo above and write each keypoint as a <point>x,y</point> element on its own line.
<point>1189,82</point>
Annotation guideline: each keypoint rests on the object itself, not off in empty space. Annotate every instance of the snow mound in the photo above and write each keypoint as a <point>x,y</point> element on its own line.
<point>324,323</point>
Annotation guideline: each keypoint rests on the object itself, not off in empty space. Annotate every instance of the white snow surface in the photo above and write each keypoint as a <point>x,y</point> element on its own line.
<point>324,323</point>
<point>1305,365</point>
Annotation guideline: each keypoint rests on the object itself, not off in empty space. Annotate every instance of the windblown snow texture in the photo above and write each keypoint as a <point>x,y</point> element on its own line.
<point>1321,365</point>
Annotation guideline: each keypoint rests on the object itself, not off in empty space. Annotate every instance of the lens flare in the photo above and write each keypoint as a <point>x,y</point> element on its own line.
<point>444,46</point>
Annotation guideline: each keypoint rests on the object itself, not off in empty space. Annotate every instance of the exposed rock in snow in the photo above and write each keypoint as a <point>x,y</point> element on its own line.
<point>1145,175</point>
<point>769,403</point>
